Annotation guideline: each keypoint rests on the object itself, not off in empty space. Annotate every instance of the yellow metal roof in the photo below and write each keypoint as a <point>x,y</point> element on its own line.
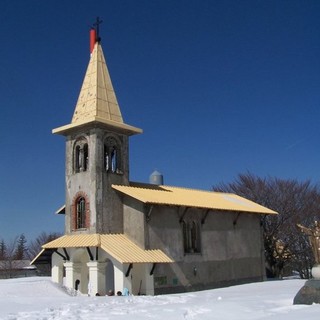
<point>97,97</point>
<point>97,102</point>
<point>76,240</point>
<point>165,195</point>
<point>125,251</point>
<point>117,245</point>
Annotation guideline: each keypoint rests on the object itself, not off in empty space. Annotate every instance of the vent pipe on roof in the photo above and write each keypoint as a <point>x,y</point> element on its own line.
<point>156,178</point>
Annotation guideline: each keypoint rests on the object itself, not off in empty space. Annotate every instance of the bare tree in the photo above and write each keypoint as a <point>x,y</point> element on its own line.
<point>43,264</point>
<point>296,202</point>
<point>35,245</point>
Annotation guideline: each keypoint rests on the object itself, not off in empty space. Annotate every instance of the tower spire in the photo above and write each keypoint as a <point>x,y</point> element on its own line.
<point>97,102</point>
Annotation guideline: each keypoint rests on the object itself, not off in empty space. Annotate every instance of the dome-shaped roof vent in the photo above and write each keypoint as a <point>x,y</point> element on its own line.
<point>156,178</point>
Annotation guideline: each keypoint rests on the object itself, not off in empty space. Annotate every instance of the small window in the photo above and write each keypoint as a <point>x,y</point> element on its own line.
<point>185,236</point>
<point>85,157</point>
<point>191,236</point>
<point>77,159</point>
<point>81,214</point>
<point>194,236</point>
<point>112,156</point>
<point>80,211</point>
<point>81,156</point>
<point>114,165</point>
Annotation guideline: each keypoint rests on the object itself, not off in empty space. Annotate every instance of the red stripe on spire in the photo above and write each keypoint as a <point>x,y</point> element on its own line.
<point>93,39</point>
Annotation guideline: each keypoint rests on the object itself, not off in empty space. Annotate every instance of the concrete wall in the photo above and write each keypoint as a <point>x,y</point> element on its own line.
<point>134,222</point>
<point>231,246</point>
<point>105,206</point>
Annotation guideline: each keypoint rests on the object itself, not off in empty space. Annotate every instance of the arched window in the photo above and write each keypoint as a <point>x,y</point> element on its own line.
<point>114,165</point>
<point>85,157</point>
<point>77,159</point>
<point>81,213</point>
<point>81,156</point>
<point>191,236</point>
<point>112,161</point>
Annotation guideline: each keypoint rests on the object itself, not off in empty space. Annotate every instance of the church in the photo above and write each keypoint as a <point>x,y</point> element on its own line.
<point>146,238</point>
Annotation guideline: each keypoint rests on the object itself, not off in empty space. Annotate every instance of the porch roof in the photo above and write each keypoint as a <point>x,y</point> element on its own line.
<point>118,246</point>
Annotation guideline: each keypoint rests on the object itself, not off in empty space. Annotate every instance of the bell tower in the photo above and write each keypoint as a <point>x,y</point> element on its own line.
<point>96,152</point>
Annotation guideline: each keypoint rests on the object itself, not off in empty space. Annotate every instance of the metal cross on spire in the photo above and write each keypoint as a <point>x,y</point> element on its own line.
<point>96,27</point>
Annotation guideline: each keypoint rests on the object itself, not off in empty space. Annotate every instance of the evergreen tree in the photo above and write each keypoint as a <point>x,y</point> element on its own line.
<point>3,250</point>
<point>21,248</point>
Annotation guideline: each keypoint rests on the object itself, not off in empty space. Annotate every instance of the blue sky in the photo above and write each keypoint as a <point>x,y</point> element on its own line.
<point>219,88</point>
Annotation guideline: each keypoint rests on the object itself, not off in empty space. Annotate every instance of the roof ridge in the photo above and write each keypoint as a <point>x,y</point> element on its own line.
<point>163,186</point>
<point>151,187</point>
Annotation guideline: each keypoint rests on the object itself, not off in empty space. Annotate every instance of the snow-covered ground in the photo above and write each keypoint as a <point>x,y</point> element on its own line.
<point>39,298</point>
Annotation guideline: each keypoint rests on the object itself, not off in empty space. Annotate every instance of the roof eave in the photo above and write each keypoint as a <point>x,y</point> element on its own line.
<point>96,122</point>
<point>210,208</point>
